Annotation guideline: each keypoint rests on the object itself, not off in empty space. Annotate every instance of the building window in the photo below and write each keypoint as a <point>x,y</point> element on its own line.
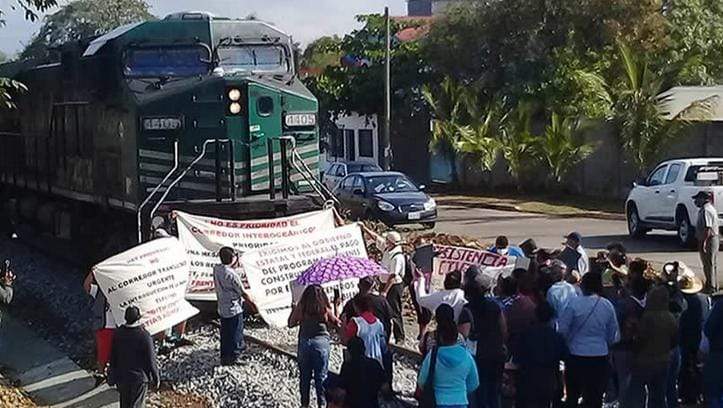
<point>337,144</point>
<point>366,143</point>
<point>350,145</point>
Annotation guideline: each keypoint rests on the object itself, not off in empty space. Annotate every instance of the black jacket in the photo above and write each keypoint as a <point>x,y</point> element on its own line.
<point>132,358</point>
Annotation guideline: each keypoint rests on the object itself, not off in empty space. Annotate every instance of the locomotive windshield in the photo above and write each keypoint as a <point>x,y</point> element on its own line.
<point>267,58</point>
<point>162,61</point>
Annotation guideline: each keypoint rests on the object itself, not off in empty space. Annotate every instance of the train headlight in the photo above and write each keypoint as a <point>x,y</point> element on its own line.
<point>234,95</point>
<point>235,108</point>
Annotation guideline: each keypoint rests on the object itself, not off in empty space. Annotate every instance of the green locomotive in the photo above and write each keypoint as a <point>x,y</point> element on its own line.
<point>189,112</point>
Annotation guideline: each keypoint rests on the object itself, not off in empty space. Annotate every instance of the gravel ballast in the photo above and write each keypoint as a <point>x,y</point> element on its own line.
<point>49,297</point>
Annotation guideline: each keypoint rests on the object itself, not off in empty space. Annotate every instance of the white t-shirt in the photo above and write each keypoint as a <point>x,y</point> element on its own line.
<point>431,301</point>
<point>109,320</point>
<point>393,261</point>
<point>711,218</point>
<point>583,264</point>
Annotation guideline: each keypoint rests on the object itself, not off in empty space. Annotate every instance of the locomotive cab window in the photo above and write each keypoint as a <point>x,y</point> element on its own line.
<point>255,58</point>
<point>265,106</point>
<point>170,61</point>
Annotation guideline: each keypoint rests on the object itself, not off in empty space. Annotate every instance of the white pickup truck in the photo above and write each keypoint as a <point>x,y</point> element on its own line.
<point>664,199</point>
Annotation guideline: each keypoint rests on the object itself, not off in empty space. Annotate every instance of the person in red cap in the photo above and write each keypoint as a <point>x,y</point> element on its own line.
<point>707,233</point>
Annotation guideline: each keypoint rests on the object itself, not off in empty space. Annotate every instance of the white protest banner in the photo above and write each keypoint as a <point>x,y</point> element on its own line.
<point>271,270</point>
<point>451,258</point>
<point>152,276</point>
<point>204,236</point>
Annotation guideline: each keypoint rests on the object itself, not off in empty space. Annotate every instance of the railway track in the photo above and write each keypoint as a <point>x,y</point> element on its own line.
<point>195,369</point>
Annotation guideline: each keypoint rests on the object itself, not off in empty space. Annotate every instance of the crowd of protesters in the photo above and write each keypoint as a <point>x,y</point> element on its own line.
<point>568,330</point>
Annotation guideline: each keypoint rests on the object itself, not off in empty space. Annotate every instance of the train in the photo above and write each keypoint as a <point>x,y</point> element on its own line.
<point>190,112</point>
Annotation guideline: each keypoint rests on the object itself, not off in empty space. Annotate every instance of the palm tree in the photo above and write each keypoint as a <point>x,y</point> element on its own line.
<point>560,148</point>
<point>446,106</point>
<point>519,146</point>
<point>645,131</point>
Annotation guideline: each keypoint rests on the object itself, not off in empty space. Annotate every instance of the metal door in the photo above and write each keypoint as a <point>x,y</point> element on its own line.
<point>264,124</point>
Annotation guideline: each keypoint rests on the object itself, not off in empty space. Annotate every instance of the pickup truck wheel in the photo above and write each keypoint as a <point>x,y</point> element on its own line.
<point>685,231</point>
<point>635,225</point>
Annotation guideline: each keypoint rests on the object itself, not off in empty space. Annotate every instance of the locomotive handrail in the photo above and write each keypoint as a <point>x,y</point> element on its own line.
<point>155,190</point>
<point>306,173</point>
<point>183,174</point>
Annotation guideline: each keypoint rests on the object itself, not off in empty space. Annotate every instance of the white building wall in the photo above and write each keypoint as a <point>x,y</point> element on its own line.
<point>359,140</point>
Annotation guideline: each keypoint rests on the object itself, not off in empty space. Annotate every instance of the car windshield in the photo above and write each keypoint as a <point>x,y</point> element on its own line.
<point>390,184</point>
<point>166,61</point>
<point>268,58</point>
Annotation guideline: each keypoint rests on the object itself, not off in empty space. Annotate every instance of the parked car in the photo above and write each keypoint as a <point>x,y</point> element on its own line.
<point>387,196</point>
<point>664,199</point>
<point>338,171</point>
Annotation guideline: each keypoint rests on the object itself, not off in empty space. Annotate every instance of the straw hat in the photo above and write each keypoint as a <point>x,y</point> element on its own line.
<point>688,282</point>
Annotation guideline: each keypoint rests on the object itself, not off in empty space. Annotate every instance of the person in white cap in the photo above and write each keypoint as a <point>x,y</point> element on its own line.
<point>707,233</point>
<point>395,263</point>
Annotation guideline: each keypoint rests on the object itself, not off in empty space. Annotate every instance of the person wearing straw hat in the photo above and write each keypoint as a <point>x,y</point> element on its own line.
<point>133,362</point>
<point>690,387</point>
<point>713,371</point>
<point>707,233</point>
<point>395,263</point>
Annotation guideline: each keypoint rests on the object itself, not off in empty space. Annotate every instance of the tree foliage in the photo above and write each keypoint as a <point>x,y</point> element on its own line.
<point>696,34</point>
<point>342,88</point>
<point>8,86</point>
<point>561,147</point>
<point>30,8</point>
<point>83,19</point>
<point>320,54</point>
<point>645,132</point>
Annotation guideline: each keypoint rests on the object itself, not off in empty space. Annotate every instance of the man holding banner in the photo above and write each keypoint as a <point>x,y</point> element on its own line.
<point>230,295</point>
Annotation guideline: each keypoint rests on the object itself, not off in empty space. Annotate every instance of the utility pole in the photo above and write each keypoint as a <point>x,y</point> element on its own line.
<point>386,139</point>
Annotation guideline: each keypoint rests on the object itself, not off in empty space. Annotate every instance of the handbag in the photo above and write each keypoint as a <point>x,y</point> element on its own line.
<point>427,399</point>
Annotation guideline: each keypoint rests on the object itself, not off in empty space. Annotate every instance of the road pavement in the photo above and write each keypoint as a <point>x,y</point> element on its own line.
<point>548,232</point>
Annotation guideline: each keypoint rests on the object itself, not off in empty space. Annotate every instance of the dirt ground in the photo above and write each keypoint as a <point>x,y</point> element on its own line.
<point>167,398</point>
<point>11,396</point>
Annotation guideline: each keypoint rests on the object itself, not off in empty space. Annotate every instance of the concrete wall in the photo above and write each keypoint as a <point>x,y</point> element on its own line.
<point>607,173</point>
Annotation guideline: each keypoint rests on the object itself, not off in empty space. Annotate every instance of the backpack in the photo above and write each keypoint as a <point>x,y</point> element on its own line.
<point>409,270</point>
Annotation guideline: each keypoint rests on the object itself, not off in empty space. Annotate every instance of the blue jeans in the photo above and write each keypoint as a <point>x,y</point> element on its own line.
<point>232,338</point>
<point>313,360</point>
<point>672,381</point>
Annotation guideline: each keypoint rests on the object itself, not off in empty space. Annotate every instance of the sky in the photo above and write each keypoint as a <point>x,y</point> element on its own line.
<point>305,20</point>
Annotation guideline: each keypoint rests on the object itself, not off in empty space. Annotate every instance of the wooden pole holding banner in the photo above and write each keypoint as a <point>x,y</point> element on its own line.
<point>386,138</point>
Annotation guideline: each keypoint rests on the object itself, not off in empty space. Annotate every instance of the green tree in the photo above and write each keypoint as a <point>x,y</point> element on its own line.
<point>343,89</point>
<point>83,19</point>
<point>30,8</point>
<point>8,86</point>
<point>320,54</point>
<point>519,146</point>
<point>645,131</point>
<point>561,148</point>
<point>696,33</point>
